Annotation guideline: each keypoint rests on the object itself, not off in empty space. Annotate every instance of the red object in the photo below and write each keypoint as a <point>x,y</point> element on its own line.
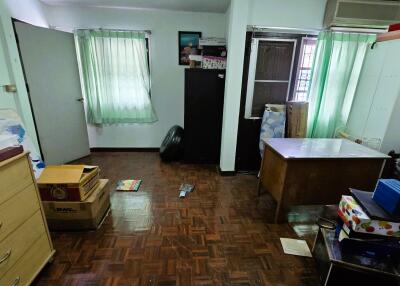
<point>10,152</point>
<point>394,27</point>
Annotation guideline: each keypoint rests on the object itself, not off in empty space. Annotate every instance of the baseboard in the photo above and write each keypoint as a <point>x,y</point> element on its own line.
<point>127,149</point>
<point>225,173</point>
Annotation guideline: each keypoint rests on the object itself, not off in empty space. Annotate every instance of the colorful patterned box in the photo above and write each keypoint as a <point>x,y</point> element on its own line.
<point>354,217</point>
<point>211,62</point>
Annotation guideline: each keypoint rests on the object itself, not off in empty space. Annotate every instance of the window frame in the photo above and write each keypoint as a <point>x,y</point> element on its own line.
<point>251,81</point>
<point>299,65</point>
<point>148,45</point>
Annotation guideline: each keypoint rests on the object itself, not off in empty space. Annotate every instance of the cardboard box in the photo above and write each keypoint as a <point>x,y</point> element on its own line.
<point>79,215</point>
<point>67,182</point>
<point>297,113</point>
<point>355,218</point>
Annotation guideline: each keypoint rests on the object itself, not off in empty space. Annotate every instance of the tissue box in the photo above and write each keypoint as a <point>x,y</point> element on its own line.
<point>387,195</point>
<point>355,218</point>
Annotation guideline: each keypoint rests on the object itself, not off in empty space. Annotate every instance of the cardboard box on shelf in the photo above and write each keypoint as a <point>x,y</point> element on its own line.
<point>297,113</point>
<point>67,182</point>
<point>355,218</point>
<point>79,215</point>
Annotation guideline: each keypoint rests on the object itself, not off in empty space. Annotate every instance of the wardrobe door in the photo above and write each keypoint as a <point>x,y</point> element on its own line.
<point>204,97</point>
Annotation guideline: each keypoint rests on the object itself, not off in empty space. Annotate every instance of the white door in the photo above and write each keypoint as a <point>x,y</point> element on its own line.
<point>51,71</point>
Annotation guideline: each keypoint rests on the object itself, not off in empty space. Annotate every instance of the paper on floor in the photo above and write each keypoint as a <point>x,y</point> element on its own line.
<point>295,247</point>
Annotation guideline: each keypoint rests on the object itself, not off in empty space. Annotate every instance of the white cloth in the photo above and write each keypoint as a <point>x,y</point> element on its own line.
<point>272,126</point>
<point>12,132</point>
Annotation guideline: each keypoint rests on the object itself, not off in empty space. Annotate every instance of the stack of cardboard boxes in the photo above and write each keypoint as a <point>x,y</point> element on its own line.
<point>74,197</point>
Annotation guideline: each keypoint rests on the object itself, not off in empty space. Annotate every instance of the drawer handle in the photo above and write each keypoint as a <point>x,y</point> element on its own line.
<point>16,281</point>
<point>5,256</point>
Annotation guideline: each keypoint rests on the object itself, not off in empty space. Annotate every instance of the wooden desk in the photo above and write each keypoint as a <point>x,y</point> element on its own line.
<point>316,171</point>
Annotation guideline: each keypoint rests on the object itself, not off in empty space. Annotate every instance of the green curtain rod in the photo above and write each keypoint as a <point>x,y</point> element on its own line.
<point>315,31</point>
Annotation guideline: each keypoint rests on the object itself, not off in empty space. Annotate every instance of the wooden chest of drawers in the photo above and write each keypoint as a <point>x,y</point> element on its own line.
<point>25,243</point>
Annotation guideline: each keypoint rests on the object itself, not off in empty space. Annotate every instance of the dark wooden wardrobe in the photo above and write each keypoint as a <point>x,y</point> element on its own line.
<point>204,101</point>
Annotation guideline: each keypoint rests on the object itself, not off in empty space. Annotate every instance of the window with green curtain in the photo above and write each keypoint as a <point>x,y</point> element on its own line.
<point>337,66</point>
<point>115,76</point>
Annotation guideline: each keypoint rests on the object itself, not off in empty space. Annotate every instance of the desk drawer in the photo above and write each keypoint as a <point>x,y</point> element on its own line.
<point>20,241</point>
<point>17,210</point>
<point>14,177</point>
<point>29,264</point>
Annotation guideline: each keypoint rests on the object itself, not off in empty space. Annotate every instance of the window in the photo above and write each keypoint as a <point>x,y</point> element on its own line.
<point>115,76</point>
<point>279,70</point>
<point>303,75</point>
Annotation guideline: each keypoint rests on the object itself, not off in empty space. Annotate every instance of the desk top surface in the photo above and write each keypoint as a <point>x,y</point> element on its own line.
<point>296,148</point>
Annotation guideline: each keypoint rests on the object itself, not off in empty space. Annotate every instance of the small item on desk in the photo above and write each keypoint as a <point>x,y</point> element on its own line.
<point>387,195</point>
<point>128,185</point>
<point>295,247</point>
<point>182,194</point>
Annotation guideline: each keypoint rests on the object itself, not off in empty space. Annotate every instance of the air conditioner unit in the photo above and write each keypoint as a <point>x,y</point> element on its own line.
<point>362,13</point>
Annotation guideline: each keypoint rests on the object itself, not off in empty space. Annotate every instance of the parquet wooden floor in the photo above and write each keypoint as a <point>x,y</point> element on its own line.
<point>218,235</point>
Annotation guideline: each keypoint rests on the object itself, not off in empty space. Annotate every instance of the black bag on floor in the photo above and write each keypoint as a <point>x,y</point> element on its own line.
<point>172,146</point>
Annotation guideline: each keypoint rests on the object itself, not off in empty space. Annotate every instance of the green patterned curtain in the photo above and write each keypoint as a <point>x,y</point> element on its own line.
<point>337,65</point>
<point>115,76</point>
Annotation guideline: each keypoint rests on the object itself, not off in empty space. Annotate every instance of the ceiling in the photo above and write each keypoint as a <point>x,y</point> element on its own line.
<point>214,6</point>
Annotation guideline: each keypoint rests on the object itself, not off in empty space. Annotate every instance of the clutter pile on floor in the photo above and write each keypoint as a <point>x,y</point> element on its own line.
<point>184,189</point>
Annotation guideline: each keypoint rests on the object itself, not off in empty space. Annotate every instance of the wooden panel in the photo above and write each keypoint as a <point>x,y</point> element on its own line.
<point>297,119</point>
<point>17,210</point>
<point>17,244</point>
<point>15,175</point>
<point>325,181</point>
<point>273,173</point>
<point>28,266</point>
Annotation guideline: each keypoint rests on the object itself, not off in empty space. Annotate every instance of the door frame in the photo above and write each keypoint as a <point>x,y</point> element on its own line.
<point>13,20</point>
<point>252,72</point>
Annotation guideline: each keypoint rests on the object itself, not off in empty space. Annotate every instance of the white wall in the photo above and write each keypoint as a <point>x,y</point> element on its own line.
<point>236,33</point>
<point>30,11</point>
<point>303,14</point>
<point>167,76</point>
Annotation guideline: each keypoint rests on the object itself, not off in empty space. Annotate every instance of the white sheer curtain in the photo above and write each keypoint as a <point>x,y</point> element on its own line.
<point>115,75</point>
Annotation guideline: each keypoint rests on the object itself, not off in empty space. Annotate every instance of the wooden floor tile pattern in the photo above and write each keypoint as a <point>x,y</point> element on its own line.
<point>218,235</point>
